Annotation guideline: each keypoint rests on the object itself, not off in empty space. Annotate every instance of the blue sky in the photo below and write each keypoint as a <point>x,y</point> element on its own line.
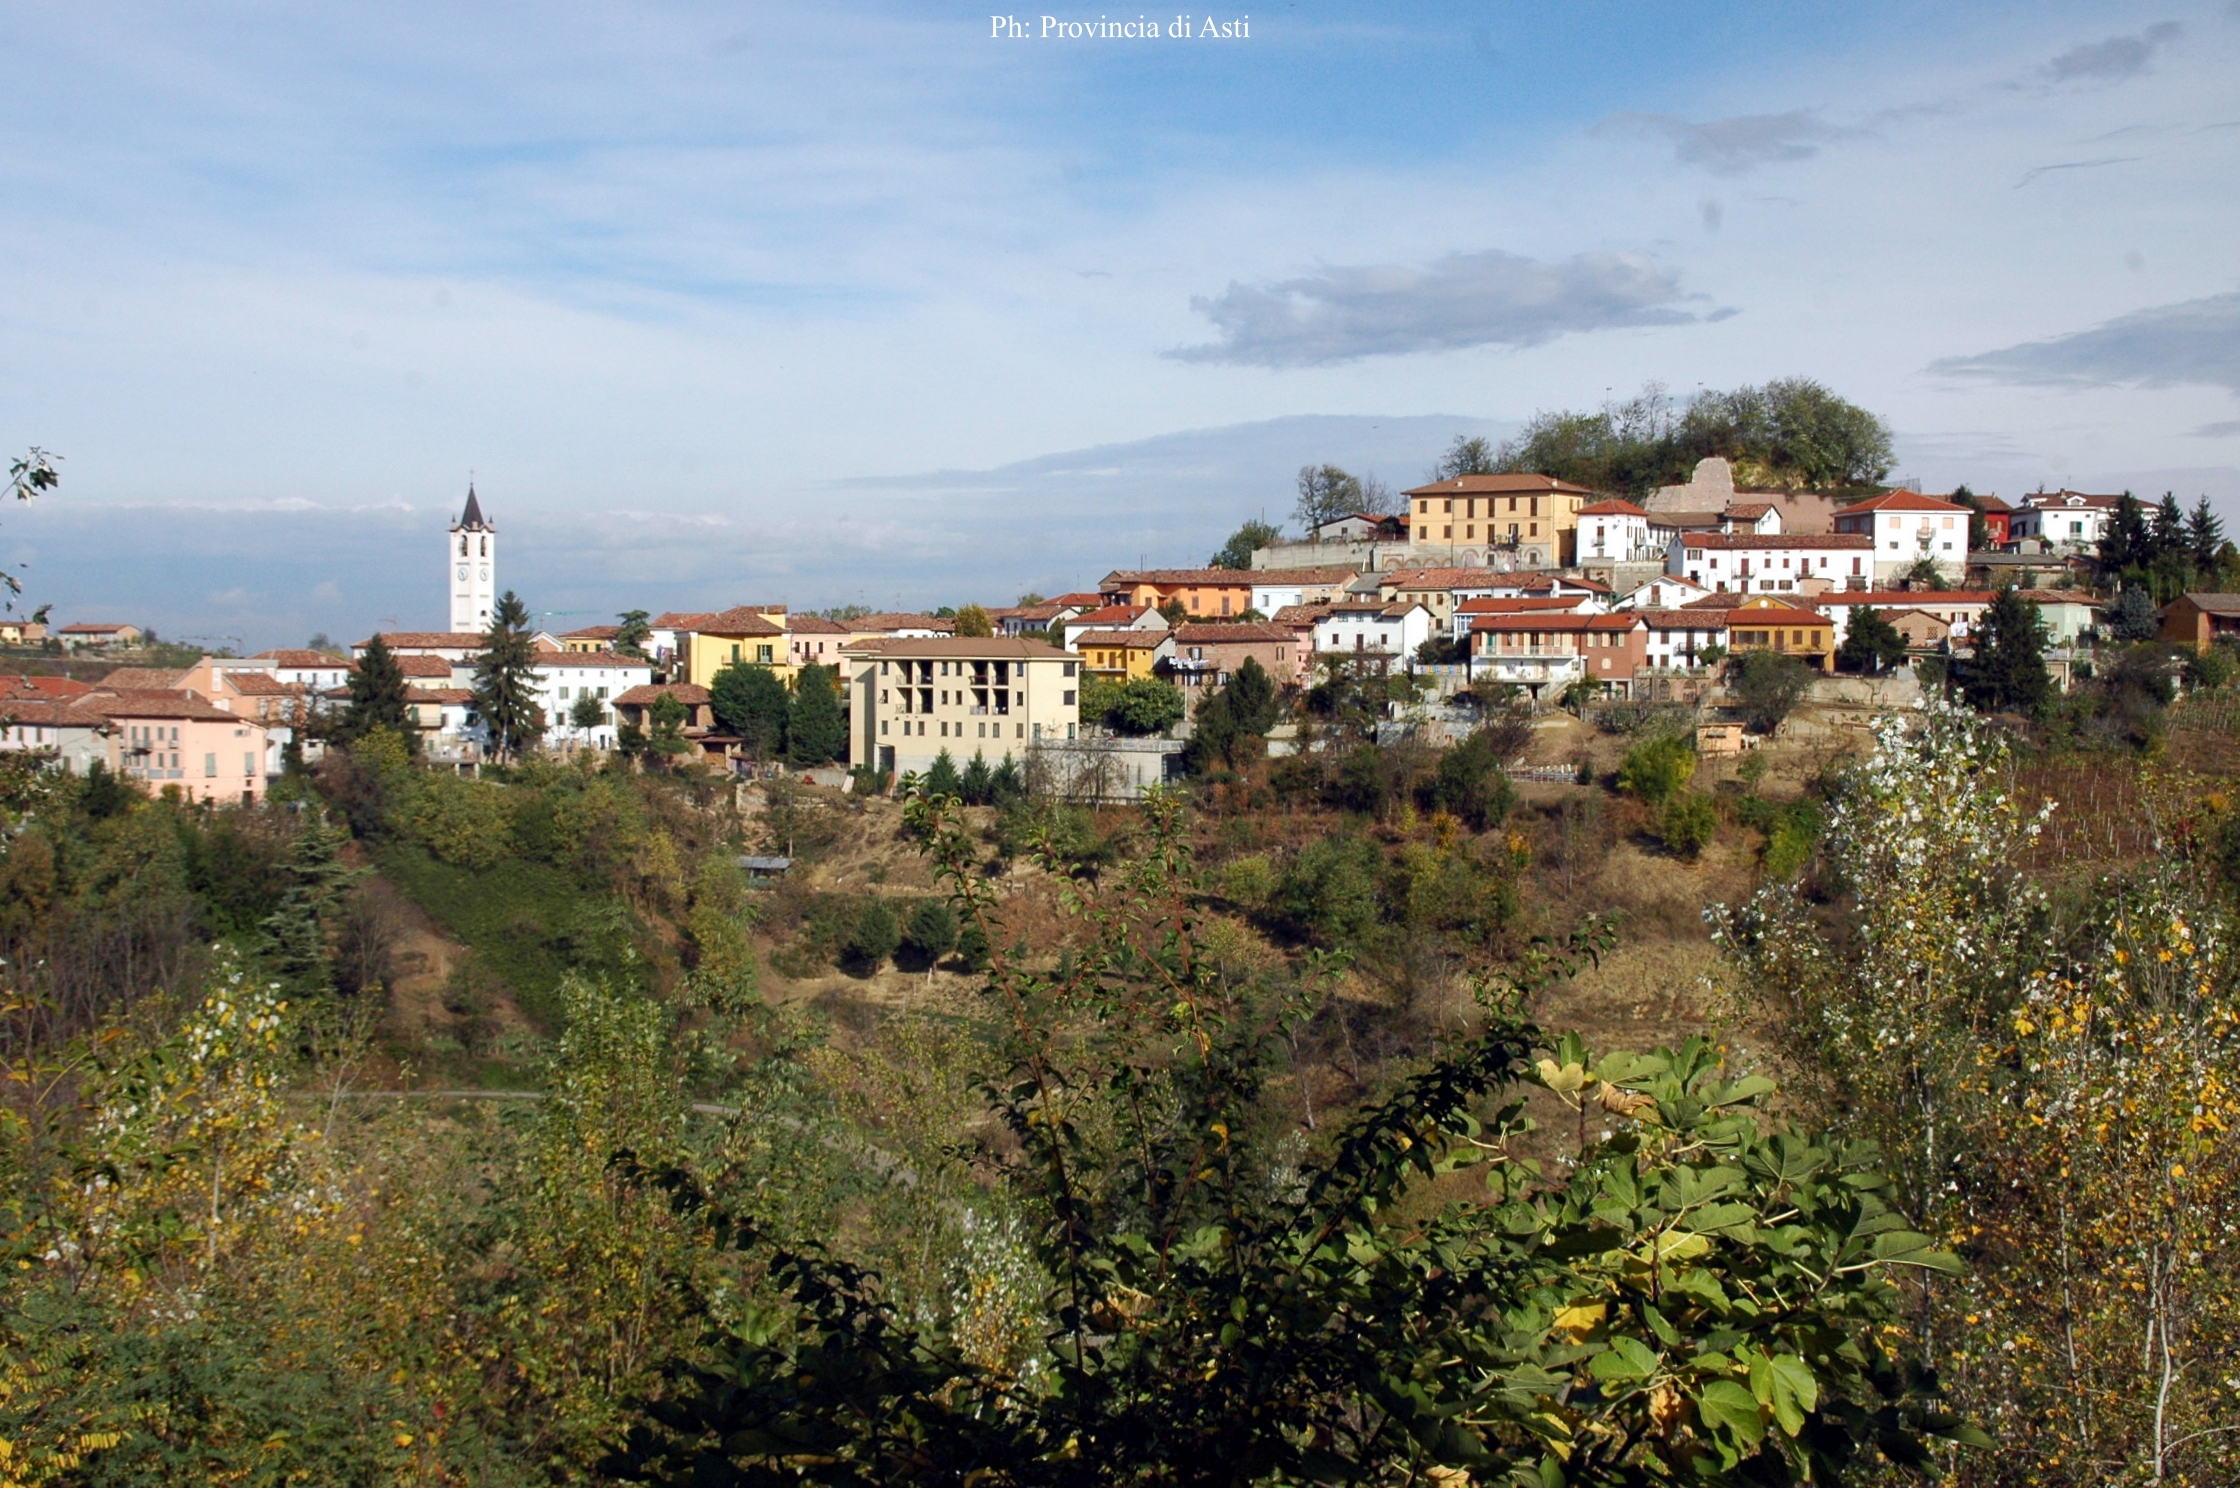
<point>724,302</point>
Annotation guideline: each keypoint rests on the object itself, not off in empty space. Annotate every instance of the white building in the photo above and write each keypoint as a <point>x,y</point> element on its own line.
<point>1677,638</point>
<point>1279,588</point>
<point>1372,628</point>
<point>471,557</point>
<point>997,697</point>
<point>1960,609</point>
<point>1667,593</point>
<point>1614,532</point>
<point>566,677</point>
<point>1906,527</point>
<point>1779,563</point>
<point>2068,520</point>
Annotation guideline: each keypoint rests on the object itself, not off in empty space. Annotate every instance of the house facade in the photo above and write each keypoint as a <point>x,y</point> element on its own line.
<point>2200,620</point>
<point>2065,521</point>
<point>1123,655</point>
<point>1372,629</point>
<point>1530,519</point>
<point>178,740</point>
<point>1907,528</point>
<point>1205,593</point>
<point>1279,588</point>
<point>999,696</point>
<point>1770,625</point>
<point>1547,652</point>
<point>1614,532</point>
<point>1206,654</point>
<point>1780,563</point>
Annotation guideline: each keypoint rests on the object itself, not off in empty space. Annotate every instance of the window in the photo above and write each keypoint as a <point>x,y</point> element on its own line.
<point>210,764</point>
<point>248,762</point>
<point>1067,695</point>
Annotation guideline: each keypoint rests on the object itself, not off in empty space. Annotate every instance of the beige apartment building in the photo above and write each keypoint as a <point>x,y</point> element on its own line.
<point>909,699</point>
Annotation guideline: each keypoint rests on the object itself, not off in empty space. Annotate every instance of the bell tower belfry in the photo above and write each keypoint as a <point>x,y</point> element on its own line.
<point>470,566</point>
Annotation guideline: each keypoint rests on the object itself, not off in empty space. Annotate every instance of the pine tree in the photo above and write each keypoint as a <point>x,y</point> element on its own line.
<point>2133,617</point>
<point>2009,667</point>
<point>1252,698</point>
<point>2205,536</point>
<point>296,930</point>
<point>2169,533</point>
<point>631,635</point>
<point>505,680</point>
<point>1872,644</point>
<point>942,779</point>
<point>378,698</point>
<point>816,732</point>
<point>2126,545</point>
<point>977,785</point>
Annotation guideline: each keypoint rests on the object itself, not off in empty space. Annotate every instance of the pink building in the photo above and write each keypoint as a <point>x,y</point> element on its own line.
<point>165,739</point>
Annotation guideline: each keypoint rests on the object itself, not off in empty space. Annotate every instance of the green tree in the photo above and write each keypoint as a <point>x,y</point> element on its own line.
<point>1252,697</point>
<point>1325,494</point>
<point>751,702</point>
<point>587,712</point>
<point>1237,551</point>
<point>1470,783</point>
<point>2126,543</point>
<point>874,933</point>
<point>1468,455</point>
<point>1657,769</point>
<point>1872,645</point>
<point>1174,611</point>
<point>298,931</point>
<point>632,634</point>
<point>816,730</point>
<point>2205,537</point>
<point>378,698</point>
<point>668,715</point>
<point>931,931</point>
<point>1144,706</point>
<point>1766,685</point>
<point>2008,669</point>
<point>972,620</point>
<point>942,779</point>
<point>1224,1308</point>
<point>977,785</point>
<point>2132,617</point>
<point>505,681</point>
<point>1688,822</point>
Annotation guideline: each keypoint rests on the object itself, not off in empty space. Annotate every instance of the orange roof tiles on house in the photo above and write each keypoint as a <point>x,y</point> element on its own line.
<point>1218,578</point>
<point>426,640</point>
<point>1900,501</point>
<point>899,621</point>
<point>1111,616</point>
<point>1556,621</point>
<point>981,648</point>
<point>420,666</point>
<point>1754,613</point>
<point>40,686</point>
<point>1684,619</point>
<point>646,694</point>
<point>139,703</point>
<point>1554,581</point>
<point>1533,603</point>
<point>264,684</point>
<point>1131,640</point>
<point>587,659</point>
<point>452,696</point>
<point>1284,578</point>
<point>1515,484</point>
<point>1299,614</point>
<point>94,627</point>
<point>814,625</point>
<point>1750,541</point>
<point>298,656</point>
<point>1907,598</point>
<point>1615,507</point>
<point>144,679</point>
<point>1235,632</point>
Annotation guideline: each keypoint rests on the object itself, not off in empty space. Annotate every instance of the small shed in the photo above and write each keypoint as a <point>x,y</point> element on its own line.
<point>1724,738</point>
<point>757,867</point>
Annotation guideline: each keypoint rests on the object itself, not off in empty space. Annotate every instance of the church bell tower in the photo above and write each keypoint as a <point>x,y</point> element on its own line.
<point>472,563</point>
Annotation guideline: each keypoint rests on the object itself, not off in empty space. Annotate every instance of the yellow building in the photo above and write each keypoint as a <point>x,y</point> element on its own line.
<point>1123,655</point>
<point>745,634</point>
<point>1771,625</point>
<point>994,696</point>
<point>1464,517</point>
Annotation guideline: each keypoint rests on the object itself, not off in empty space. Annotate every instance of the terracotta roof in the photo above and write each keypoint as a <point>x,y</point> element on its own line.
<point>1614,508</point>
<point>1753,541</point>
<point>1704,619</point>
<point>691,694</point>
<point>1714,602</point>
<point>1903,501</point>
<point>1906,598</point>
<point>454,696</point>
<point>1132,640</point>
<point>814,625</point>
<point>1776,615</point>
<point>53,712</point>
<point>1077,599</point>
<point>1684,521</point>
<point>2043,500</point>
<point>1288,576</point>
<point>2212,604</point>
<point>264,684</point>
<point>899,621</point>
<point>593,633</point>
<point>427,640</point>
<point>1491,605</point>
<point>299,656</point>
<point>1296,615</point>
<point>1434,578</point>
<point>1378,608</point>
<point>1988,503</point>
<point>90,627</point>
<point>739,620</point>
<point>420,666</point>
<point>34,685</point>
<point>1110,615</point>
<point>1748,511</point>
<point>138,703</point>
<point>978,648</point>
<point>1229,578</point>
<point>2076,596</point>
<point>1518,484</point>
<point>1553,621</point>
<point>1207,633</point>
<point>145,679</point>
<point>1552,581</point>
<point>588,659</point>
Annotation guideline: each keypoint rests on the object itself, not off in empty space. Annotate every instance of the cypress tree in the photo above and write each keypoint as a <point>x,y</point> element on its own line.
<point>816,734</point>
<point>296,930</point>
<point>505,680</point>
<point>942,779</point>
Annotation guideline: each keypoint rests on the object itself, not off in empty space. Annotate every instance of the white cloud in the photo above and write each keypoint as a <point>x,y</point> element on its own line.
<point>1466,299</point>
<point>1731,147</point>
<point>2115,58</point>
<point>2194,341</point>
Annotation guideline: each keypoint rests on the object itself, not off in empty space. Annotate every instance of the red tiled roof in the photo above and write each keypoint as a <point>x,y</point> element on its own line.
<point>1553,581</point>
<point>1903,501</point>
<point>427,640</point>
<point>899,621</point>
<point>691,694</point>
<point>35,685</point>
<point>1283,577</point>
<point>1518,484</point>
<point>144,679</point>
<point>1752,612</point>
<point>1133,640</point>
<point>1752,541</point>
<point>1555,622</point>
<point>1492,605</point>
<point>1110,615</point>
<point>2044,500</point>
<point>1703,619</point>
<point>1747,511</point>
<point>298,656</point>
<point>1219,578</point>
<point>587,659</point>
<point>814,625</point>
<point>456,696</point>
<point>739,620</point>
<point>979,648</point>
<point>1433,578</point>
<point>264,684</point>
<point>1206,633</point>
<point>1612,508</point>
<point>138,703</point>
<point>89,627</point>
<point>1906,598</point>
<point>1297,615</point>
<point>1077,599</point>
<point>593,633</point>
<point>422,666</point>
